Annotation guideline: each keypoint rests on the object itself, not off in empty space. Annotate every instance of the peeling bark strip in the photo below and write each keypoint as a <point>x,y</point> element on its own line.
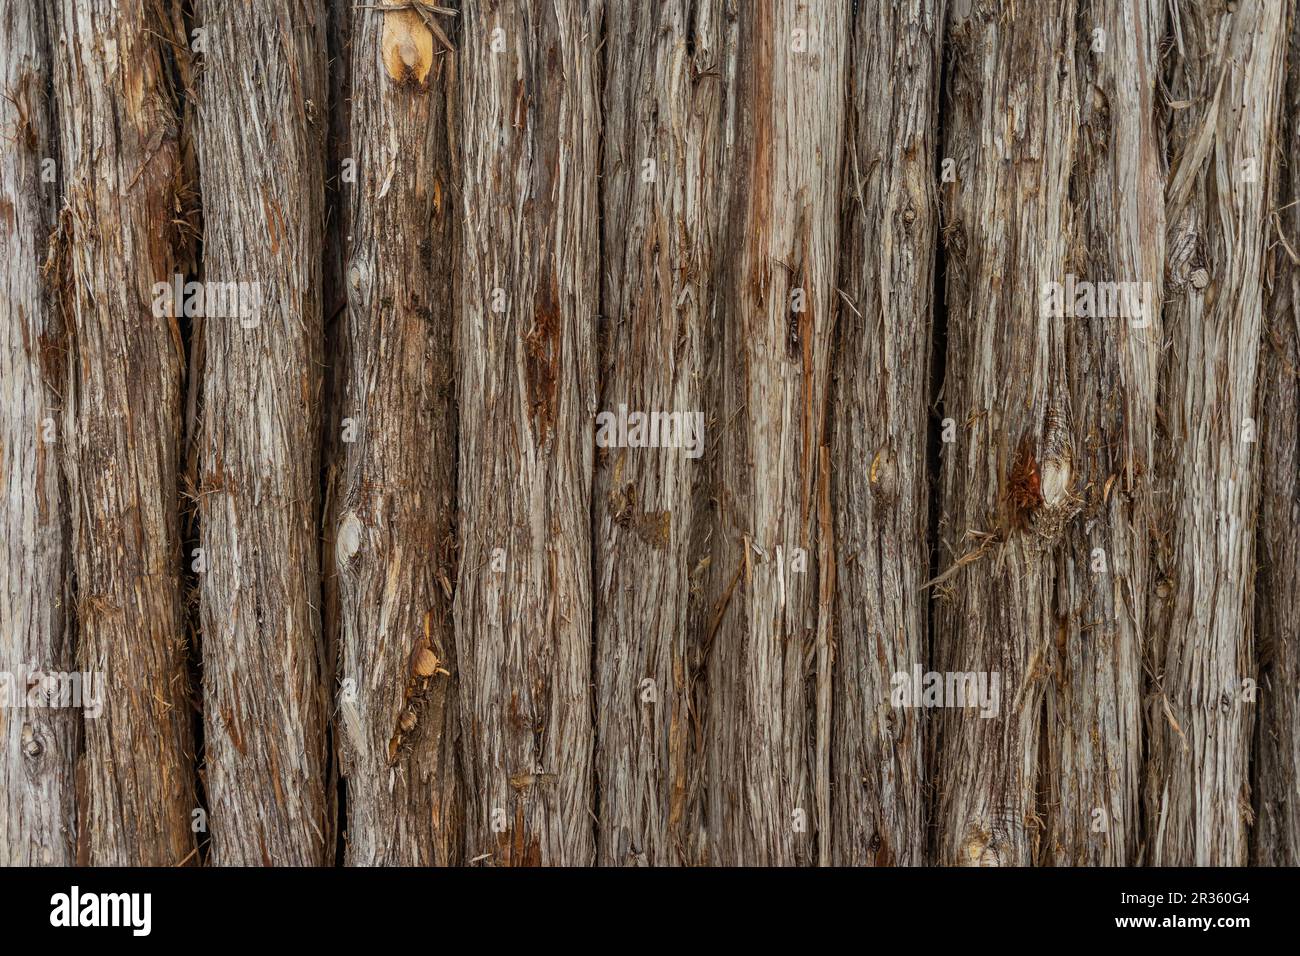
<point>260,144</point>
<point>1093,735</point>
<point>1217,203</point>
<point>530,128</point>
<point>395,544</point>
<point>37,746</point>
<point>1007,485</point>
<point>880,486</point>
<point>121,425</point>
<point>663,106</point>
<point>1277,744</point>
<point>767,644</point>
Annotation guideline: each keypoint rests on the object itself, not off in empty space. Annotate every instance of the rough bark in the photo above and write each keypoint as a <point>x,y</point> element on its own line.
<point>121,430</point>
<point>1008,487</point>
<point>394,527</point>
<point>37,745</point>
<point>881,489</point>
<point>530,123</point>
<point>663,103</point>
<point>261,143</point>
<point>1228,67</point>
<point>767,650</point>
<point>1092,774</point>
<point>1277,590</point>
<point>536,651</point>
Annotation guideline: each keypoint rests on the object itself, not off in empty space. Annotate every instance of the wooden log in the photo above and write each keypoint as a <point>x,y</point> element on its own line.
<point>37,744</point>
<point>662,219</point>
<point>766,641</point>
<point>394,525</point>
<point>530,125</point>
<point>879,411</point>
<point>1276,838</point>
<point>1008,484</point>
<point>262,123</point>
<point>1200,714</point>
<point>119,154</point>
<point>1093,737</point>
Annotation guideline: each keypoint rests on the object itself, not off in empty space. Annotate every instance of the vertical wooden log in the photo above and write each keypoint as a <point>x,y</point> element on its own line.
<point>767,640</point>
<point>1230,70</point>
<point>1093,725</point>
<point>394,525</point>
<point>1008,484</point>
<point>529,134</point>
<point>37,745</point>
<point>662,219</point>
<point>260,144</point>
<point>1277,588</point>
<point>118,139</point>
<point>881,492</point>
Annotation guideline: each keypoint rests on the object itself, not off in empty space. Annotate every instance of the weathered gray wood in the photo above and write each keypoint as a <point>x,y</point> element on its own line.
<point>766,654</point>
<point>1093,736</point>
<point>1008,483</point>
<point>1229,69</point>
<point>121,423</point>
<point>879,414</point>
<point>1276,839</point>
<point>262,120</point>
<point>37,745</point>
<point>395,521</point>
<point>530,124</point>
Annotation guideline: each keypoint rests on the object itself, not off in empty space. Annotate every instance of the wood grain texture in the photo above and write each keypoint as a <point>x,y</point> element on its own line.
<point>395,520</point>
<point>766,659</point>
<point>529,140</point>
<point>664,102</point>
<point>1276,838</point>
<point>438,620</point>
<point>121,424</point>
<point>1007,481</point>
<point>880,482</point>
<point>37,745</point>
<point>1093,718</point>
<point>1229,66</point>
<point>262,121</point>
